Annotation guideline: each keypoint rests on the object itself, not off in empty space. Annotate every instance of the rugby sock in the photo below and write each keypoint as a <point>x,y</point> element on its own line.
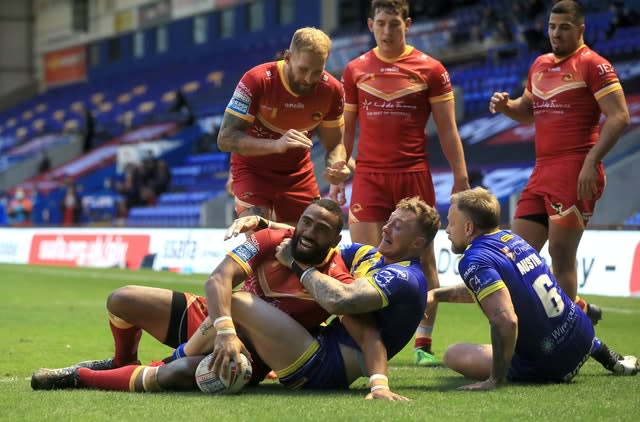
<point>423,338</point>
<point>581,303</point>
<point>119,379</point>
<point>604,355</point>
<point>126,338</point>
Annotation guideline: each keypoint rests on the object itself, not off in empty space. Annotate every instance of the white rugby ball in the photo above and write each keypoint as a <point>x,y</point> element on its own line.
<point>209,382</point>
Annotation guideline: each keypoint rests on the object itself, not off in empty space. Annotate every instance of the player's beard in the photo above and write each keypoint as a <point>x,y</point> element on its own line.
<point>311,257</point>
<point>295,86</point>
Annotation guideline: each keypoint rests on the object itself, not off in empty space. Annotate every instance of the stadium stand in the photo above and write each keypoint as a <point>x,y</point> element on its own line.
<point>487,45</point>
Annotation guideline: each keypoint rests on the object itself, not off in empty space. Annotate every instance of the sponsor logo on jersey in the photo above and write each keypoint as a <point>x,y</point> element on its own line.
<point>246,251</point>
<point>238,105</point>
<point>389,69</point>
<point>296,106</point>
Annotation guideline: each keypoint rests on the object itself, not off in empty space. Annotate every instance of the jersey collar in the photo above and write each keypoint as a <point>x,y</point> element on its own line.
<point>408,49</point>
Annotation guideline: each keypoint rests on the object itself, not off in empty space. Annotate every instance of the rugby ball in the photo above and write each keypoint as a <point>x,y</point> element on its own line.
<point>209,382</point>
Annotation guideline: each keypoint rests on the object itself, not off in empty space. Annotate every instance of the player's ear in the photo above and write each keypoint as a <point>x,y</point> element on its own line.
<point>370,24</point>
<point>407,24</point>
<point>420,242</point>
<point>287,55</point>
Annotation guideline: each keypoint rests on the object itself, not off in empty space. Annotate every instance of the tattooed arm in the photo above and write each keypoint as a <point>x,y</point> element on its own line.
<point>334,296</point>
<point>454,294</point>
<point>233,137</point>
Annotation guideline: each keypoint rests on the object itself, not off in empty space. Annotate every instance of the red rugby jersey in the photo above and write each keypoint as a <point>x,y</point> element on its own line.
<point>263,98</point>
<point>278,285</point>
<point>393,100</point>
<point>564,93</point>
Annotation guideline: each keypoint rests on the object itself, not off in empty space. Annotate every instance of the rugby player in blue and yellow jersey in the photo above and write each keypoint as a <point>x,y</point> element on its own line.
<point>538,334</point>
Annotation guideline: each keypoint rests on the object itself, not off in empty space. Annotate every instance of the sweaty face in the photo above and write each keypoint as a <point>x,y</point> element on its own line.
<point>389,30</point>
<point>399,236</point>
<point>456,229</point>
<point>565,36</point>
<point>315,235</point>
<point>304,69</point>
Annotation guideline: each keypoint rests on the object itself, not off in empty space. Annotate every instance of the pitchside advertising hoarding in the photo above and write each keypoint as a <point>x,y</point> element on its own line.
<point>608,261</point>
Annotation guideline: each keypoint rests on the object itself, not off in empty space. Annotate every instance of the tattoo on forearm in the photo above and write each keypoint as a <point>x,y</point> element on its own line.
<point>454,294</point>
<point>205,327</point>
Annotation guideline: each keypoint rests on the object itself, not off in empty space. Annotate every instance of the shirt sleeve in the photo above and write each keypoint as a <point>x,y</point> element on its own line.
<point>334,118</point>
<point>601,77</point>
<point>481,279</point>
<point>253,251</point>
<point>391,281</point>
<point>350,89</point>
<point>439,84</point>
<point>246,98</point>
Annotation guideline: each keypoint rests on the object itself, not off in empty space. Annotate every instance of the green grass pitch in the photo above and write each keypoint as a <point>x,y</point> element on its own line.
<point>51,317</point>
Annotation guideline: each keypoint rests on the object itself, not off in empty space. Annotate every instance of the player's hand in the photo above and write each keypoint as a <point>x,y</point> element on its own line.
<point>498,102</point>
<point>489,384</point>
<point>384,394</point>
<point>337,173</point>
<point>242,225</point>
<point>587,182</point>
<point>227,348</point>
<point>293,139</point>
<point>336,193</point>
<point>460,184</point>
<point>284,253</point>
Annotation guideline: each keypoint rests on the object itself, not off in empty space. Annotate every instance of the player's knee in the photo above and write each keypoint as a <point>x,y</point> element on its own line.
<point>450,356</point>
<point>118,298</point>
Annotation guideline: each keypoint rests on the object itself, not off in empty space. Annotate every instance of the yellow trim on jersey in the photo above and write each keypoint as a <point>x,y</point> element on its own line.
<point>608,89</point>
<point>408,49</point>
<point>134,375</point>
<point>283,78</point>
<point>562,88</point>
<point>392,95</point>
<point>247,269</point>
<point>311,350</point>
<point>282,131</point>
<point>362,251</point>
<point>385,300</point>
<point>491,289</point>
<point>333,123</point>
<point>247,117</point>
<point>441,98</point>
<point>350,107</point>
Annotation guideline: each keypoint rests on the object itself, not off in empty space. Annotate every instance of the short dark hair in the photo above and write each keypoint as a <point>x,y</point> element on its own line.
<point>400,7</point>
<point>570,7</point>
<point>334,209</point>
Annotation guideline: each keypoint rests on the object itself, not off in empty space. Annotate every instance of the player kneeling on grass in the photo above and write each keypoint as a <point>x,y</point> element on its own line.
<point>538,334</point>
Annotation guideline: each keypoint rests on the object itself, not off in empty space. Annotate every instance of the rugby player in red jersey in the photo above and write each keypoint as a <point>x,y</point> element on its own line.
<point>567,91</point>
<point>390,92</point>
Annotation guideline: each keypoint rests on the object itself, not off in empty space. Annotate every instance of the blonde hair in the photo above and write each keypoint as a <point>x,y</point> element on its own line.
<point>427,217</point>
<point>480,205</point>
<point>311,39</point>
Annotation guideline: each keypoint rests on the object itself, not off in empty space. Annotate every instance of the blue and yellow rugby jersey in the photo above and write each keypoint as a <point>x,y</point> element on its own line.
<point>547,319</point>
<point>402,286</point>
